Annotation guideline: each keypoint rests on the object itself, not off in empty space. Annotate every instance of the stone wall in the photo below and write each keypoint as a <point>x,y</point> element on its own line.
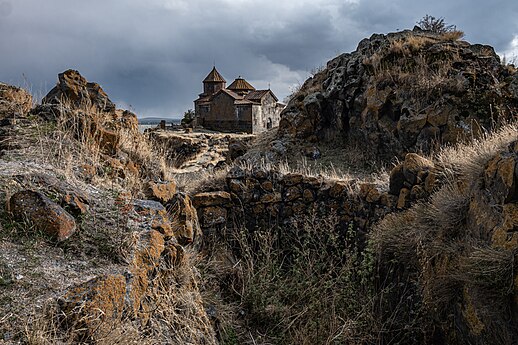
<point>261,198</point>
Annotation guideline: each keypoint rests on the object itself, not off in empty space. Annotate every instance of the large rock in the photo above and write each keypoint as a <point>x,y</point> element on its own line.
<point>48,216</point>
<point>75,91</point>
<point>403,92</point>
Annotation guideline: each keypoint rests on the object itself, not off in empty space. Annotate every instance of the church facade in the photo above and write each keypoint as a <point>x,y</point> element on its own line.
<point>236,108</point>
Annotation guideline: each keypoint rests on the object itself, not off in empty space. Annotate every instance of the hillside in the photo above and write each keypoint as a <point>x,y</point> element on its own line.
<point>382,211</point>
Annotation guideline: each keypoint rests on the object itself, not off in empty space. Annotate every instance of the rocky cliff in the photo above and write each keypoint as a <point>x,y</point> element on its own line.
<point>404,92</point>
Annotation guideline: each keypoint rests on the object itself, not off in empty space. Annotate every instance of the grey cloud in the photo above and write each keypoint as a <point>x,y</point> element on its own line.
<point>153,55</point>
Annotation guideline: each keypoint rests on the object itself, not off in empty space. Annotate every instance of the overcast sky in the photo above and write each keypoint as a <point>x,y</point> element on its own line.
<point>151,55</point>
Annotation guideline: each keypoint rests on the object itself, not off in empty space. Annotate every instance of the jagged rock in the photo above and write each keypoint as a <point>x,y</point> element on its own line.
<point>160,191</point>
<point>92,308</point>
<point>185,223</point>
<point>74,88</point>
<point>403,92</point>
<point>48,216</point>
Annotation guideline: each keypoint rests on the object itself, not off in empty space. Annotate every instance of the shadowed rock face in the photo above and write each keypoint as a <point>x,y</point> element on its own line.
<point>404,92</point>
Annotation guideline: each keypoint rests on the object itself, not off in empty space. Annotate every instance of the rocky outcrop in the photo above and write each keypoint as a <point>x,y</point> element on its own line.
<point>404,92</point>
<point>157,270</point>
<point>46,215</point>
<point>86,109</point>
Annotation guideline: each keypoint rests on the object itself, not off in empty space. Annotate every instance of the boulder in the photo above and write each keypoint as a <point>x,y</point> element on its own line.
<point>46,215</point>
<point>160,191</point>
<point>75,91</point>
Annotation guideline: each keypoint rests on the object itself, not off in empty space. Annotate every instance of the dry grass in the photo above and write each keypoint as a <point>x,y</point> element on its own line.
<point>454,35</point>
<point>317,290</point>
<point>449,257</point>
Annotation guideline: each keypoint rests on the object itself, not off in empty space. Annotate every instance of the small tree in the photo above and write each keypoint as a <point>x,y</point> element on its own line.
<point>188,118</point>
<point>435,25</point>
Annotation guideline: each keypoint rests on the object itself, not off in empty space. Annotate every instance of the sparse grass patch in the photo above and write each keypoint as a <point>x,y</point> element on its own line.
<point>310,282</point>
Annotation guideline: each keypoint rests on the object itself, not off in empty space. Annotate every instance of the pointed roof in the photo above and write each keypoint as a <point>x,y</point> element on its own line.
<point>214,76</point>
<point>240,85</point>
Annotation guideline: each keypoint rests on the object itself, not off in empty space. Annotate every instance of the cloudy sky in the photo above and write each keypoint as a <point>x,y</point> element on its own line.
<point>150,56</point>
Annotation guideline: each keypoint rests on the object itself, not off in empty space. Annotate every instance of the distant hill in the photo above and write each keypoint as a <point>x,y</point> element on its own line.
<point>156,120</point>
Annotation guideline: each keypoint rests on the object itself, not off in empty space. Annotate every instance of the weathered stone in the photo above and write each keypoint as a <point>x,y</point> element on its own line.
<point>14,101</point>
<point>267,186</point>
<point>364,97</point>
<point>146,257</point>
<point>93,308</point>
<point>206,199</point>
<point>160,191</point>
<point>370,192</point>
<point>184,219</point>
<point>73,88</point>
<point>412,165</point>
<point>338,189</point>
<point>48,216</point>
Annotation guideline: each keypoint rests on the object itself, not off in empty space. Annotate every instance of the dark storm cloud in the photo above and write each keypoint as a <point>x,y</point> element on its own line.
<point>153,55</point>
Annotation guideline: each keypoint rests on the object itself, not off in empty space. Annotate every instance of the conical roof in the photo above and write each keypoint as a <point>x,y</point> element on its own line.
<point>214,76</point>
<point>240,85</point>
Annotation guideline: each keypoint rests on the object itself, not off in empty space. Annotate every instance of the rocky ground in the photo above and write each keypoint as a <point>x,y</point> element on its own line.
<point>109,236</point>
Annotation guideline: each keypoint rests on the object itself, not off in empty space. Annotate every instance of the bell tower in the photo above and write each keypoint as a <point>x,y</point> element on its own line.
<point>213,82</point>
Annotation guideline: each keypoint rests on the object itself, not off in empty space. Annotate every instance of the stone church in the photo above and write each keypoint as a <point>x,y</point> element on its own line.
<point>236,108</point>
